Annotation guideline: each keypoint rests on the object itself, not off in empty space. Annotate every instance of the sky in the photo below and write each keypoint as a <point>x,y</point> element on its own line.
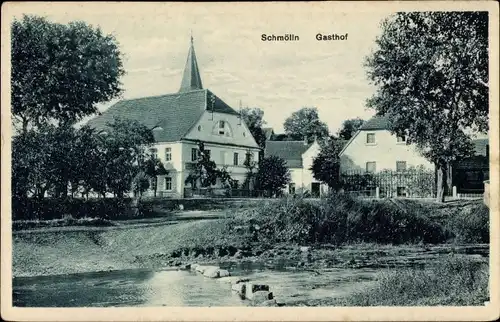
<point>278,77</point>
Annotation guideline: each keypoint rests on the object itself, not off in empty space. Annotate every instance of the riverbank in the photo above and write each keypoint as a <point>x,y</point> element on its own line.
<point>338,232</point>
<point>66,252</point>
<point>295,235</point>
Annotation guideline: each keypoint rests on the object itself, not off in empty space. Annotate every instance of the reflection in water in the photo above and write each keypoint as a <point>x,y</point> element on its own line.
<point>179,288</point>
<point>182,288</point>
<point>117,288</point>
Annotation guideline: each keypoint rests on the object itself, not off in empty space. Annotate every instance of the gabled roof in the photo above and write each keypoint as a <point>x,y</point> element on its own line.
<point>290,151</point>
<point>172,115</point>
<point>191,79</point>
<point>376,123</point>
<point>268,132</point>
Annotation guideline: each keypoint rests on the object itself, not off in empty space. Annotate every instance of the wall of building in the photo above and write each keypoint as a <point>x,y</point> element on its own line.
<point>386,151</point>
<point>235,130</point>
<point>303,177</point>
<point>180,164</point>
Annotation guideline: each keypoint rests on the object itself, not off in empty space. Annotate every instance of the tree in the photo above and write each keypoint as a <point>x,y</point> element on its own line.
<point>51,158</point>
<point>273,175</point>
<point>305,123</point>
<point>435,89</point>
<point>254,119</point>
<point>124,153</point>
<point>349,127</point>
<point>140,183</point>
<point>326,166</point>
<point>154,168</point>
<point>205,170</point>
<point>252,167</point>
<point>60,72</point>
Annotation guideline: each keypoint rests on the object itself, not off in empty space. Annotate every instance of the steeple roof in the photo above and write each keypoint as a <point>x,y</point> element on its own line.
<point>191,79</point>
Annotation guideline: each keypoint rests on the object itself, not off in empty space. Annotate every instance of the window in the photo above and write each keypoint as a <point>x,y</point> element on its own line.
<point>194,154</point>
<point>222,125</point>
<point>208,153</point>
<point>235,158</point>
<point>154,153</point>
<point>168,183</point>
<point>401,139</point>
<point>371,167</point>
<point>370,138</point>
<point>248,157</point>
<point>401,191</point>
<point>168,154</point>
<point>199,127</point>
<point>400,166</point>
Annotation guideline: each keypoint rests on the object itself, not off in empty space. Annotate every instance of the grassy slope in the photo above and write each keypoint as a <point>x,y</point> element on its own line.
<point>70,252</point>
<point>59,253</point>
<point>450,281</point>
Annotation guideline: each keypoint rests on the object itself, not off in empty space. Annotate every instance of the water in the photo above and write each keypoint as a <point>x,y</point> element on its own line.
<point>180,288</point>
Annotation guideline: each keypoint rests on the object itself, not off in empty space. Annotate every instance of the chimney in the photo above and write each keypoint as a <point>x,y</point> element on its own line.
<point>305,140</point>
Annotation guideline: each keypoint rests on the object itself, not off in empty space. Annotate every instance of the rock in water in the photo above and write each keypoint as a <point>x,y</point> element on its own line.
<point>211,271</point>
<point>227,279</point>
<point>233,280</point>
<point>201,269</point>
<point>224,273</point>
<point>251,288</point>
<point>260,297</point>
<point>240,289</point>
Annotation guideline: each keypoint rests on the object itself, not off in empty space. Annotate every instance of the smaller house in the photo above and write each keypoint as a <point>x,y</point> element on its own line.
<point>299,156</point>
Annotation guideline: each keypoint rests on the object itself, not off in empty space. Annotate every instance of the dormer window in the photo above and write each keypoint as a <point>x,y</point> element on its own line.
<point>222,128</point>
<point>222,125</point>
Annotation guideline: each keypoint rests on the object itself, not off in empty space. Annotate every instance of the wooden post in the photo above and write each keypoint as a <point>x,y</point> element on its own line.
<point>377,192</point>
<point>454,191</point>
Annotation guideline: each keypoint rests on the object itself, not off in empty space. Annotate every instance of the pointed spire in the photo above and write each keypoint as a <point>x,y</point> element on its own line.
<point>191,79</point>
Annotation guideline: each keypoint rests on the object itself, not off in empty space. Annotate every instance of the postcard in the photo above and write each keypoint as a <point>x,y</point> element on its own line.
<point>288,161</point>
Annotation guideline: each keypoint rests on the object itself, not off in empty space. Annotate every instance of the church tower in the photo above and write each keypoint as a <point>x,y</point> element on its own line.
<point>191,79</point>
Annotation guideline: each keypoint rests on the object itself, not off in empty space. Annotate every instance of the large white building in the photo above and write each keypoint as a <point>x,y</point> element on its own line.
<point>182,119</point>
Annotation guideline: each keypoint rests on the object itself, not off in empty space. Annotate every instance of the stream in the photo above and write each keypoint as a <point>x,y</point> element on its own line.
<point>172,287</point>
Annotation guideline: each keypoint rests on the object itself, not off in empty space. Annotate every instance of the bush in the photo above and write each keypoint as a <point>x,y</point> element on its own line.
<point>470,224</point>
<point>341,219</point>
<point>452,281</point>
<point>51,208</point>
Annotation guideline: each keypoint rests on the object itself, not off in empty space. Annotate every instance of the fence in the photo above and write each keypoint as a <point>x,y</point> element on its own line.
<point>223,193</point>
<point>389,184</point>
